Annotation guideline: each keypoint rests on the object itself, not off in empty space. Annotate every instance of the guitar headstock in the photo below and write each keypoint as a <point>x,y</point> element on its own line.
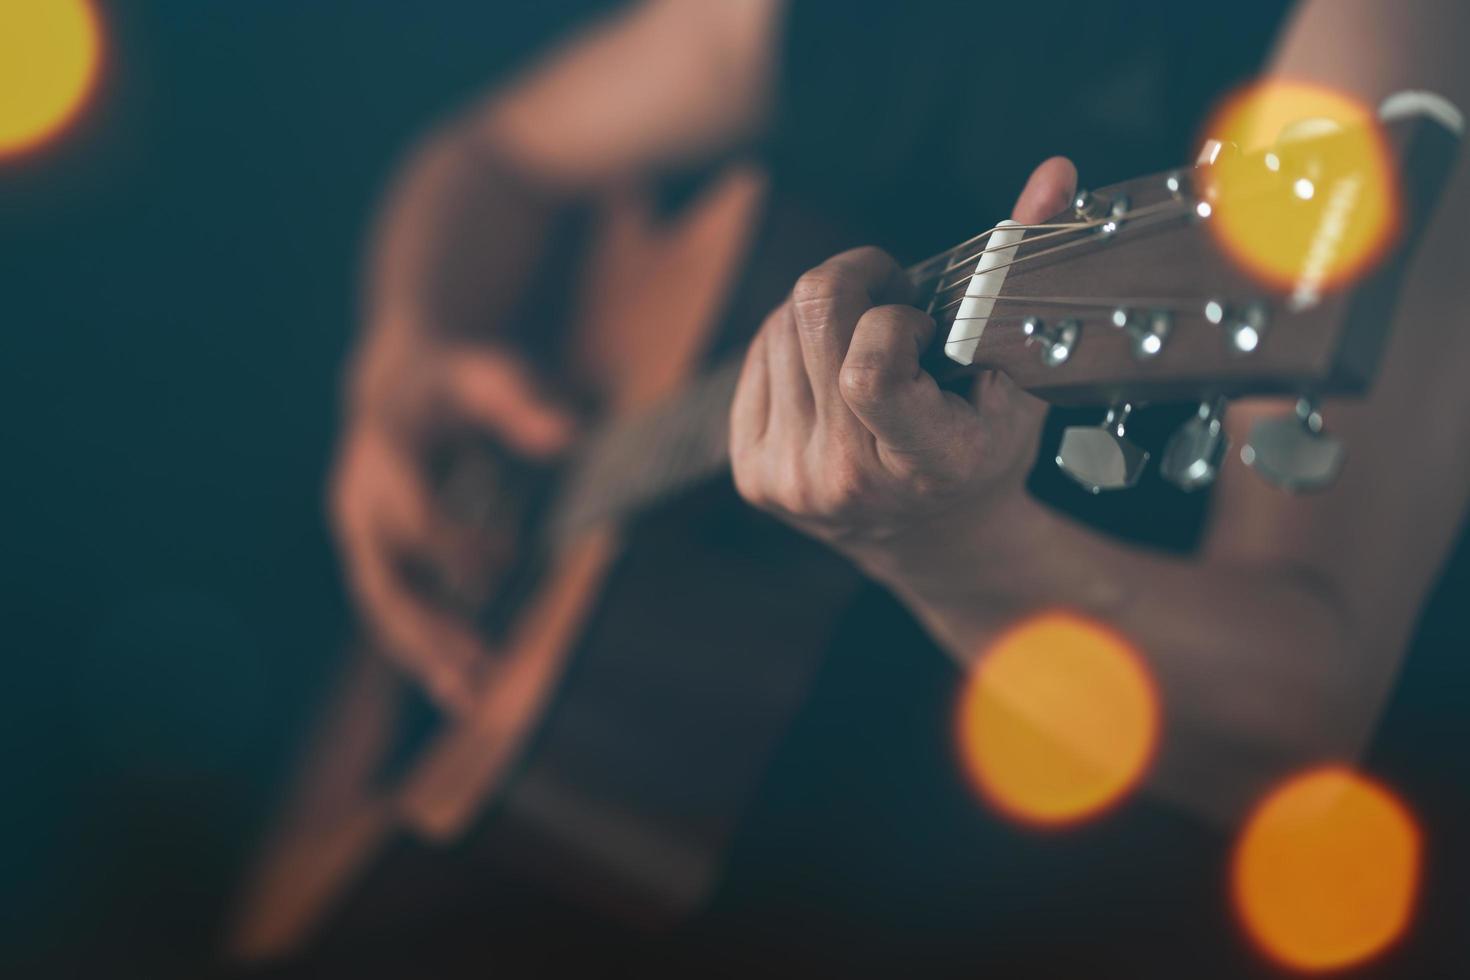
<point>1144,292</point>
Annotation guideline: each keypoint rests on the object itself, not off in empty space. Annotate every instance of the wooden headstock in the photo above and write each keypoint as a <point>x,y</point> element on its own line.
<point>1130,296</point>
<point>1139,261</point>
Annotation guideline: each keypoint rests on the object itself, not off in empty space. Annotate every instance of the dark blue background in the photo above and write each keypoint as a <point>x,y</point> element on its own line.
<point>178,275</point>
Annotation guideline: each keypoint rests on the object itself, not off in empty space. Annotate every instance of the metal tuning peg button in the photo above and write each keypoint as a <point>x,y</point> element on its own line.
<point>1193,456</point>
<point>1244,328</point>
<point>1292,452</point>
<point>1146,331</point>
<point>1117,211</point>
<point>1057,343</point>
<point>1101,457</point>
<point>1089,206</point>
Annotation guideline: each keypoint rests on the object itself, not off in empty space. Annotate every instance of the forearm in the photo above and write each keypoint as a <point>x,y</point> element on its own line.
<point>1257,666</point>
<point>661,84</point>
<point>459,235</point>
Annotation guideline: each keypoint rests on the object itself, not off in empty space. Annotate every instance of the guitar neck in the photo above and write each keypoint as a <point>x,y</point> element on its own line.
<point>631,464</point>
<point>635,463</point>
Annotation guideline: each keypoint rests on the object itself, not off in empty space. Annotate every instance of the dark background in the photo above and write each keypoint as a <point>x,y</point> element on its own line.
<point>179,271</point>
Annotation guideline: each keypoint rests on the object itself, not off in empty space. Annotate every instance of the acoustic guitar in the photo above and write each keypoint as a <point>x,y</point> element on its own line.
<point>625,768</point>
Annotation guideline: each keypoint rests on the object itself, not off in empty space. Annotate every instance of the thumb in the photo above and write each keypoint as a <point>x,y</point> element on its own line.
<point>498,392</point>
<point>1048,191</point>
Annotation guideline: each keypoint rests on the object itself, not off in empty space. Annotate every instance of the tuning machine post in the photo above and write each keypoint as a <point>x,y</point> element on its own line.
<point>1056,343</point>
<point>1193,455</point>
<point>1293,452</point>
<point>1089,206</point>
<point>1102,457</point>
<point>1243,329</point>
<point>1147,332</point>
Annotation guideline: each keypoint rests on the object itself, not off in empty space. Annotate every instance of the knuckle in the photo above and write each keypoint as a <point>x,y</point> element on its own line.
<point>889,321</point>
<point>845,491</point>
<point>748,483</point>
<point>894,332</point>
<point>864,380</point>
<point>817,285</point>
<point>789,488</point>
<point>815,293</point>
<point>874,258</point>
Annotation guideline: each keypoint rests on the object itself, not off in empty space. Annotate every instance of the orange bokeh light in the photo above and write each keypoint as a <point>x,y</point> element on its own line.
<point>1304,196</point>
<point>1058,720</point>
<point>50,55</point>
<point>1326,870</point>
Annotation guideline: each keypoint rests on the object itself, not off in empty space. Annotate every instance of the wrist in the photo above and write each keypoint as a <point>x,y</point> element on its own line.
<point>976,554</point>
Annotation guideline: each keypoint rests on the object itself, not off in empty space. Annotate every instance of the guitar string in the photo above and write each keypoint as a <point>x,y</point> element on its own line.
<point>969,260</point>
<point>948,254</point>
<point>1065,246</point>
<point>1124,221</point>
<point>1142,212</point>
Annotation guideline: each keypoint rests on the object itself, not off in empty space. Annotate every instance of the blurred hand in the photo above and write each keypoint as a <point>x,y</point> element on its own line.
<point>836,429</point>
<point>408,394</point>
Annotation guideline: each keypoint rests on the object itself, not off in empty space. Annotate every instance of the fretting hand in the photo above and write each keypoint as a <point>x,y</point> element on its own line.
<point>836,429</point>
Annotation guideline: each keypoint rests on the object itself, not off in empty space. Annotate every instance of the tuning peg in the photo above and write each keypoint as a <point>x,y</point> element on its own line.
<point>1292,452</point>
<point>1101,457</point>
<point>1244,329</point>
<point>1057,343</point>
<point>1087,205</point>
<point>1194,453</point>
<point>1147,333</point>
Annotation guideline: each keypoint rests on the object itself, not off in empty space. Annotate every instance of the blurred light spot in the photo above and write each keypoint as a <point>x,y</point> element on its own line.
<point>1058,720</point>
<point>1203,209</point>
<point>1326,870</point>
<point>1311,201</point>
<point>1152,344</point>
<point>50,51</point>
<point>1214,311</point>
<point>1246,338</point>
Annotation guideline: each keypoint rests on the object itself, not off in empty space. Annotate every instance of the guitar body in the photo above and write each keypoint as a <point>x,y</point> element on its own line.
<point>634,701</point>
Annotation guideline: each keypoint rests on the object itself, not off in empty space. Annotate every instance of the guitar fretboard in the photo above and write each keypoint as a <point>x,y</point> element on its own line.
<point>633,463</point>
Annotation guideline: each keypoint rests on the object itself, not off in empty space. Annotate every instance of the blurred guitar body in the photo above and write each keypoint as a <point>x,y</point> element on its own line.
<point>633,706</point>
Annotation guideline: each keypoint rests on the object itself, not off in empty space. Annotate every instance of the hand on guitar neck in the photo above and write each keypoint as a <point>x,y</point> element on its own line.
<point>882,452</point>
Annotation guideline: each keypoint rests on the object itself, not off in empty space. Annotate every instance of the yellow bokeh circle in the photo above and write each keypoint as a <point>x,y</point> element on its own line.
<point>1058,720</point>
<point>1326,870</point>
<point>50,53</point>
<point>1303,192</point>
